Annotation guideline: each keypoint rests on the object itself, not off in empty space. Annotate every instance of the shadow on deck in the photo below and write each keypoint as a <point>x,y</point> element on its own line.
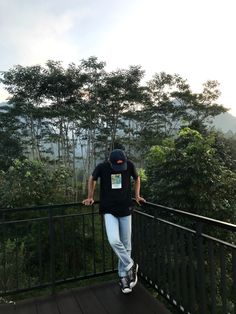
<point>102,298</point>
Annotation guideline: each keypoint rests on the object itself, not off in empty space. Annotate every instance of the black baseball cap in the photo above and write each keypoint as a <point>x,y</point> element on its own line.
<point>118,160</point>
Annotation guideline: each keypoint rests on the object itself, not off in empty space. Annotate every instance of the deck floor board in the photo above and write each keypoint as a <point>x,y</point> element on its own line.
<point>102,298</point>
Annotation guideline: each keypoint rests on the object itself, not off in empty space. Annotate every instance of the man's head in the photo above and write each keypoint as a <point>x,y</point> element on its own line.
<point>118,160</point>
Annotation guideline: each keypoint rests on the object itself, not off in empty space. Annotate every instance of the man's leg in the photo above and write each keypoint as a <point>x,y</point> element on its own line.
<point>125,224</point>
<point>113,234</point>
<point>125,230</point>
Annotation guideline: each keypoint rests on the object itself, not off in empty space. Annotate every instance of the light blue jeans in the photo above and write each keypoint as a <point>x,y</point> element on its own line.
<point>119,231</point>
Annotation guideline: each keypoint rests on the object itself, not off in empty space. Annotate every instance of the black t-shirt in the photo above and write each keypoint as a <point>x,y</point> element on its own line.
<point>115,188</point>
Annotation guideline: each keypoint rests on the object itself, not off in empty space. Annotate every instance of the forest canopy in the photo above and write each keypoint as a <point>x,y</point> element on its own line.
<point>59,122</point>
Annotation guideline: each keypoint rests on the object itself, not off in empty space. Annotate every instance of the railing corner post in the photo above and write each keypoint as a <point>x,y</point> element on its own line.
<point>52,250</point>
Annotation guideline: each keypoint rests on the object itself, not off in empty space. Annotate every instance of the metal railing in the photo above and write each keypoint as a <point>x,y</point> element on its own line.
<point>50,245</point>
<point>187,258</point>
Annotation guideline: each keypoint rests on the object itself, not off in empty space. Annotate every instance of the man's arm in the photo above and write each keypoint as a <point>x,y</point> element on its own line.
<point>91,188</point>
<point>137,185</point>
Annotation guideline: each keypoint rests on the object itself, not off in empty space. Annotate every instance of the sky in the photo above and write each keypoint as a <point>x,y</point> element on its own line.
<point>193,38</point>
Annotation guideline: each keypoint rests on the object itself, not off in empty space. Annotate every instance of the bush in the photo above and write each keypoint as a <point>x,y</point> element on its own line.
<point>191,176</point>
<point>29,183</point>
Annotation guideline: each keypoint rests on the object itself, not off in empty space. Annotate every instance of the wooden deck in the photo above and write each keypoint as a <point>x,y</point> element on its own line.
<point>103,298</point>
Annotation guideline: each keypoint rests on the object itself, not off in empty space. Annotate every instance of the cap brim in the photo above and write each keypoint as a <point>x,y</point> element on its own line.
<point>120,167</point>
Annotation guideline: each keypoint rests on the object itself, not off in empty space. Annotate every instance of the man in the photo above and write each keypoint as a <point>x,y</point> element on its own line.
<point>116,206</point>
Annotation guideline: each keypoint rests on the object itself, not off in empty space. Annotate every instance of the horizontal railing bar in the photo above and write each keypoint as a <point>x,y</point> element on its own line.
<point>166,222</point>
<point>76,215</point>
<point>203,219</point>
<point>232,246</point>
<point>58,282</point>
<point>41,207</point>
<point>211,221</point>
<point>8,222</point>
<point>187,229</point>
<point>46,218</point>
<point>16,291</point>
<point>144,214</point>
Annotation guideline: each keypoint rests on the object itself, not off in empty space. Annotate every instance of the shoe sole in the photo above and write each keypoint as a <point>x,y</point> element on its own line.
<point>126,291</point>
<point>133,284</point>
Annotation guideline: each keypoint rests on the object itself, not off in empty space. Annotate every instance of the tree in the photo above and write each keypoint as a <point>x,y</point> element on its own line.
<point>173,105</point>
<point>189,174</point>
<point>90,102</point>
<point>10,149</point>
<point>31,183</point>
<point>74,116</point>
<point>11,146</point>
<point>59,86</point>
<point>120,95</point>
<point>24,86</point>
<point>167,109</point>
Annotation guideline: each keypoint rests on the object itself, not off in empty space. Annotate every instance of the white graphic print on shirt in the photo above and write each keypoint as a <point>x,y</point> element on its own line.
<point>116,181</point>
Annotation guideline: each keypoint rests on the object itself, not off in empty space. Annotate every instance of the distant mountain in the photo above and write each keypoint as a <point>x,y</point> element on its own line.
<point>225,122</point>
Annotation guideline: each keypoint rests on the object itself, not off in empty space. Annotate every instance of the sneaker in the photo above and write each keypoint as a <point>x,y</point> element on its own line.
<point>132,274</point>
<point>124,284</point>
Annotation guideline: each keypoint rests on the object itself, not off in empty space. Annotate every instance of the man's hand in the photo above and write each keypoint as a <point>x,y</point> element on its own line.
<point>88,201</point>
<point>139,199</point>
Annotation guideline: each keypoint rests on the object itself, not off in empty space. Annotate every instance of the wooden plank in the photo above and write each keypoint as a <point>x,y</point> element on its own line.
<point>88,302</point>
<point>130,301</point>
<point>102,298</point>
<point>26,307</point>
<point>139,301</point>
<point>47,305</point>
<point>109,300</point>
<point>67,304</point>
<point>7,308</point>
<point>149,302</point>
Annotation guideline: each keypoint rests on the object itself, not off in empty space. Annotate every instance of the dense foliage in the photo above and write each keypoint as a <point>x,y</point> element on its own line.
<point>28,183</point>
<point>59,122</point>
<point>190,173</point>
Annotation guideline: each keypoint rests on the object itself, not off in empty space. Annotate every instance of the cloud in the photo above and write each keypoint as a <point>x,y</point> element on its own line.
<point>36,33</point>
<point>192,38</point>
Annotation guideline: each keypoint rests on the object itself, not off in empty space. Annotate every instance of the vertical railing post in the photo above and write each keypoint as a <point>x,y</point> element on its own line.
<point>192,277</point>
<point>52,250</point>
<point>103,248</point>
<point>3,248</point>
<point>234,277</point>
<point>94,246</point>
<point>213,288</point>
<point>200,270</point>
